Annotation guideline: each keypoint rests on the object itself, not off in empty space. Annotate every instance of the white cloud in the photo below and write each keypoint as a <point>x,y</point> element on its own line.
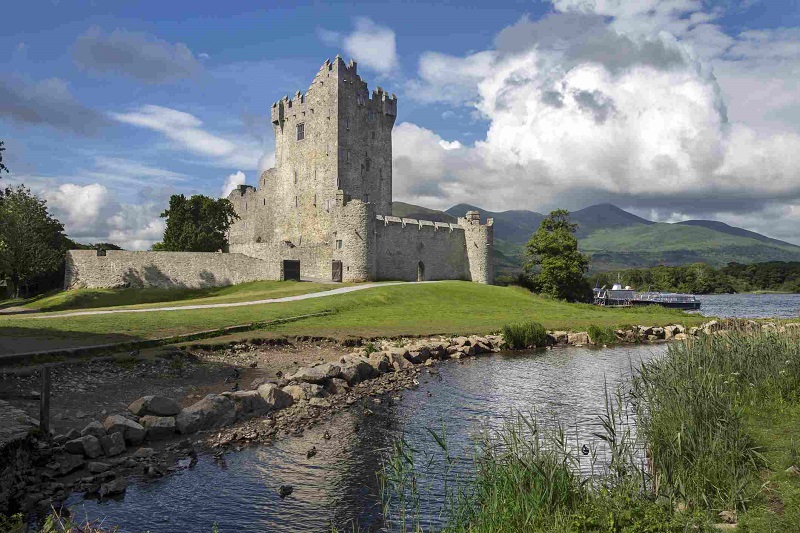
<point>583,109</point>
<point>186,132</point>
<point>231,182</point>
<point>370,44</point>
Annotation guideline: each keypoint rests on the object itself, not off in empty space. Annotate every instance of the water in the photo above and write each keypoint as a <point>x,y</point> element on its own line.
<point>339,485</point>
<point>750,305</point>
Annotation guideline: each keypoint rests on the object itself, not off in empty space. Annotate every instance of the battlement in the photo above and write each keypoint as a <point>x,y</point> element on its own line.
<point>414,223</point>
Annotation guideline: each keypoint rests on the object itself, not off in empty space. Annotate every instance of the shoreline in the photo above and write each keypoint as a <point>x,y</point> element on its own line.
<point>380,370</point>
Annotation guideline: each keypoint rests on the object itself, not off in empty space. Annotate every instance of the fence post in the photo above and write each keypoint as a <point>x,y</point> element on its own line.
<point>44,402</point>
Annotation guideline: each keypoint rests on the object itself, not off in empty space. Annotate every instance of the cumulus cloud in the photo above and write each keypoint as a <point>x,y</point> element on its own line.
<point>93,213</point>
<point>370,44</point>
<point>186,132</point>
<point>605,101</point>
<point>231,182</point>
<point>47,102</point>
<point>138,55</point>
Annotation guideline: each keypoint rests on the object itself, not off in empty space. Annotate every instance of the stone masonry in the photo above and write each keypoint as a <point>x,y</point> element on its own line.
<point>327,203</point>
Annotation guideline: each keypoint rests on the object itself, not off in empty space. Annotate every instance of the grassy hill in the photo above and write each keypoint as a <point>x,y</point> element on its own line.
<point>617,239</point>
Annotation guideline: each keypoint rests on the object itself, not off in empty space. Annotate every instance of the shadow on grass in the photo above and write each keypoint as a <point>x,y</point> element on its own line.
<point>15,340</point>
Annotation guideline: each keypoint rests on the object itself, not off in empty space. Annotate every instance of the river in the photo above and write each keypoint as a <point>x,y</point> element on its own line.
<point>339,485</point>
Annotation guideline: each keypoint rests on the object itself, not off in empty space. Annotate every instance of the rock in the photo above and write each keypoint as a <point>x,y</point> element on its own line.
<point>132,432</point>
<point>158,427</point>
<point>98,468</point>
<point>561,337</point>
<point>154,405</point>
<point>88,446</point>
<point>303,391</point>
<point>319,402</point>
<point>95,429</point>
<point>114,487</point>
<point>680,336</point>
<point>66,463</point>
<point>729,517</point>
<point>710,327</point>
<point>355,369</point>
<point>659,333</point>
<point>144,453</point>
<point>419,355</point>
<point>644,331</point>
<point>694,331</point>
<point>578,338</point>
<point>211,412</point>
<point>316,374</point>
<point>460,341</point>
<point>73,434</point>
<point>113,444</point>
<point>337,386</point>
<point>249,404</point>
<point>274,396</point>
<point>380,362</point>
<point>793,471</point>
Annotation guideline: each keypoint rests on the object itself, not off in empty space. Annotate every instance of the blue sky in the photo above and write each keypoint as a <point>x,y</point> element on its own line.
<point>673,108</point>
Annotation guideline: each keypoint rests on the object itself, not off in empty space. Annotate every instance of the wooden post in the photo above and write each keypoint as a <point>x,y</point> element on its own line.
<point>44,402</point>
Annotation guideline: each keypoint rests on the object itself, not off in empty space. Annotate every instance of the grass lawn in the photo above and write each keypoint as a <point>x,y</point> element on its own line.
<point>151,297</point>
<point>450,307</point>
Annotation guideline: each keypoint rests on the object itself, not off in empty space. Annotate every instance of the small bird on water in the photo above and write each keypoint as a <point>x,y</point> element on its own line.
<point>285,490</point>
<point>311,453</point>
<point>585,450</point>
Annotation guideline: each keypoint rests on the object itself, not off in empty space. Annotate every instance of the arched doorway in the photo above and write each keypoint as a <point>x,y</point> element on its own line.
<point>420,271</point>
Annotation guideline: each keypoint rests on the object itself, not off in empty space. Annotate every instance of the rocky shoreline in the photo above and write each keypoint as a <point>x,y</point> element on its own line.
<point>155,435</point>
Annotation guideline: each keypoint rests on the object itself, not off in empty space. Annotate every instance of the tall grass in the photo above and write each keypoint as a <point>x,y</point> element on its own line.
<point>602,335</point>
<point>674,450</point>
<point>524,335</point>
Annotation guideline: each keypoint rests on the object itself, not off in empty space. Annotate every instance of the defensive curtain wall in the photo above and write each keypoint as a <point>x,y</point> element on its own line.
<point>167,270</point>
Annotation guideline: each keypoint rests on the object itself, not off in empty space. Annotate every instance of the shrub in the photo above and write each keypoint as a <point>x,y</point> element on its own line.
<point>524,335</point>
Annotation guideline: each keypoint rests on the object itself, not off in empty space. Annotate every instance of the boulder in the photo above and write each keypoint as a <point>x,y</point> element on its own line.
<point>680,336</point>
<point>659,333</point>
<point>132,432</point>
<point>337,386</point>
<point>711,327</point>
<point>88,446</point>
<point>354,369</point>
<point>114,487</point>
<point>213,411</point>
<point>144,453</point>
<point>303,391</point>
<point>460,341</point>
<point>158,427</point>
<point>113,444</point>
<point>66,463</point>
<point>315,374</point>
<point>249,404</point>
<point>154,405</point>
<point>94,429</point>
<point>73,434</point>
<point>644,331</point>
<point>578,338</point>
<point>274,396</point>
<point>419,354</point>
<point>561,337</point>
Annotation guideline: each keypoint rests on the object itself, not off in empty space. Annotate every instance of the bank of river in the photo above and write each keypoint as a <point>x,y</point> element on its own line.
<point>338,486</point>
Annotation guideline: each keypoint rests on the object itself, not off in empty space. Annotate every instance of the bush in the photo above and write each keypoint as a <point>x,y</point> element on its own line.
<point>602,335</point>
<point>524,335</point>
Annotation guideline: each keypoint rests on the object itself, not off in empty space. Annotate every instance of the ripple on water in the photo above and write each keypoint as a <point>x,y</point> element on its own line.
<point>339,485</point>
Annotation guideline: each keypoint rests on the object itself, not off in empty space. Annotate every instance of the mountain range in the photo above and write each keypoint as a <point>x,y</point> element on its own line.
<point>616,239</point>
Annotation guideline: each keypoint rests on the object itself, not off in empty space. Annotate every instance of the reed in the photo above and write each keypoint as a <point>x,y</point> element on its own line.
<point>602,335</point>
<point>524,335</point>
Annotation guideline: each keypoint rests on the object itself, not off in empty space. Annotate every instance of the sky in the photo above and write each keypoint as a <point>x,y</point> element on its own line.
<point>672,109</point>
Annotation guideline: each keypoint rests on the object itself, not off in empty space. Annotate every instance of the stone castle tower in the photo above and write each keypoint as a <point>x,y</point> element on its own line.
<point>327,203</point>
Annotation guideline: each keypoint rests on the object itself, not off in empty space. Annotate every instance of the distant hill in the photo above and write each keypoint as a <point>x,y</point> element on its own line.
<point>616,239</point>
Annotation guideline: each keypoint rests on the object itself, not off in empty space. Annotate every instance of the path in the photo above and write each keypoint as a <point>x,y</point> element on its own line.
<point>322,294</point>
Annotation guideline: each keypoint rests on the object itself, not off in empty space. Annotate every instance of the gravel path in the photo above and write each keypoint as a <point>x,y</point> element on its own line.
<point>323,294</point>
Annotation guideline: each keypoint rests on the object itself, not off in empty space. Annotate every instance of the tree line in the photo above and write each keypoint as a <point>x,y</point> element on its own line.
<point>700,278</point>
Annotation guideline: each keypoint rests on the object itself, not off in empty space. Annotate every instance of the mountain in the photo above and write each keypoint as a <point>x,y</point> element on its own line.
<point>732,230</point>
<point>616,239</point>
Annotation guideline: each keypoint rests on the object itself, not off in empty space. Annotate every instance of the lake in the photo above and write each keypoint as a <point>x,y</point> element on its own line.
<point>750,305</point>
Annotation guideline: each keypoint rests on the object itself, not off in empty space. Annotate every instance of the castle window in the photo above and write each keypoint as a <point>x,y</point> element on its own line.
<point>315,200</point>
<point>290,103</point>
<point>370,115</point>
<point>367,163</point>
<point>296,202</point>
<point>301,133</point>
<point>265,201</point>
<point>328,148</point>
<point>348,156</point>
<point>380,172</point>
<point>338,244</point>
<point>347,124</point>
<point>338,182</point>
<point>328,205</point>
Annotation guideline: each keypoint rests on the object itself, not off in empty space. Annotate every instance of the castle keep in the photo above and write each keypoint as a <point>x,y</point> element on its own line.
<point>325,209</point>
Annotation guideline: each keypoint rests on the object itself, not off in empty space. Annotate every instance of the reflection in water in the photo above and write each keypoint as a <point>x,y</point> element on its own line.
<point>339,485</point>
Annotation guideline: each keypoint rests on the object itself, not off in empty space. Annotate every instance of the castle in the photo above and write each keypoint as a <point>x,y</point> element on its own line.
<point>324,211</point>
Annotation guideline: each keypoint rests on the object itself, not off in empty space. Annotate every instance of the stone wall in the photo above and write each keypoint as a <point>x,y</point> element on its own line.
<point>401,245</point>
<point>117,269</point>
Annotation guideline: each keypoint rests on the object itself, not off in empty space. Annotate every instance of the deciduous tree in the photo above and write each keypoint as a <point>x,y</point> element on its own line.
<point>553,256</point>
<point>2,166</point>
<point>196,224</point>
<point>32,242</point>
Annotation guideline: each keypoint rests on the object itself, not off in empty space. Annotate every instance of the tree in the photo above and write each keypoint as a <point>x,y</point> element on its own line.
<point>2,166</point>
<point>553,251</point>
<point>196,224</point>
<point>32,243</point>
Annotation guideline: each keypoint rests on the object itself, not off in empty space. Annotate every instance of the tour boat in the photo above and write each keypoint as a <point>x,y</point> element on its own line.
<point>617,296</point>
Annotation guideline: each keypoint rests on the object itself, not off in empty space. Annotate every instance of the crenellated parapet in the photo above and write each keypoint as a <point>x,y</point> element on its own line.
<point>480,246</point>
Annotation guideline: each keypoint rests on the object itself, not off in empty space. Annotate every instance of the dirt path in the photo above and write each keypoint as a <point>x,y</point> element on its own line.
<point>333,292</point>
